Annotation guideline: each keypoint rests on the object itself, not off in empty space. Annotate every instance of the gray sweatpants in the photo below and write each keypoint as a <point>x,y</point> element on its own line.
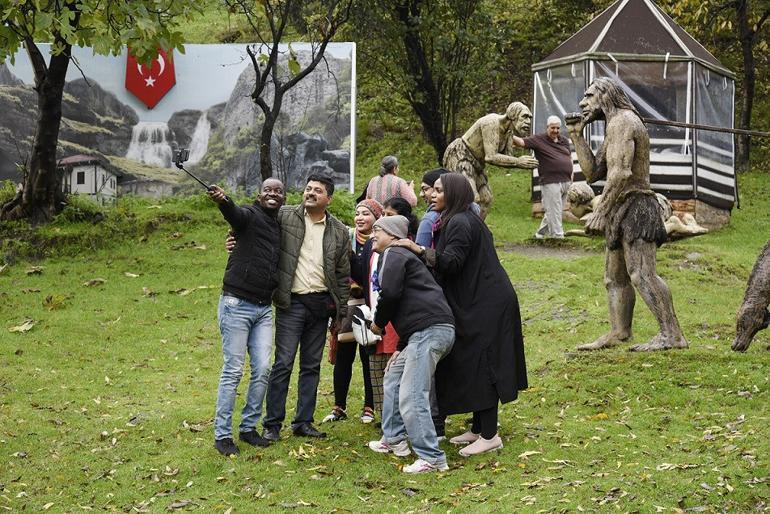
<point>554,196</point>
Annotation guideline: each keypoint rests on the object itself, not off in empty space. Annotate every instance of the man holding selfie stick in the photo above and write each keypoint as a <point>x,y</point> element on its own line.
<point>245,313</point>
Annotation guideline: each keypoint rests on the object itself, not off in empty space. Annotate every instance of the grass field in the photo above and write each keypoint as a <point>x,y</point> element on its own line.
<point>106,403</point>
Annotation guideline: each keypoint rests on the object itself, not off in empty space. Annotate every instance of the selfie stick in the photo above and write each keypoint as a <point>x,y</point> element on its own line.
<point>181,167</point>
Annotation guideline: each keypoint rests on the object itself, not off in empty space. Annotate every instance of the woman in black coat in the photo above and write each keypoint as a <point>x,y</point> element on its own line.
<point>486,366</point>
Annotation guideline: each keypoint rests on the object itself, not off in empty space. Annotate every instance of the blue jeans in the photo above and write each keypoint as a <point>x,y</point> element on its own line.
<point>296,329</point>
<point>407,383</point>
<point>245,327</point>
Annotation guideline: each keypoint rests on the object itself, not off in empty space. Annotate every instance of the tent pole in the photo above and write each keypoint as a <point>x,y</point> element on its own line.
<point>712,128</point>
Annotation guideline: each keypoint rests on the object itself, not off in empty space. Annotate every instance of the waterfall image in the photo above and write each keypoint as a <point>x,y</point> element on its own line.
<point>200,138</point>
<point>150,144</point>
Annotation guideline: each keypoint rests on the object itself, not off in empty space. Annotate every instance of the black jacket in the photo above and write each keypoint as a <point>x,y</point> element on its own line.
<point>487,363</point>
<point>410,298</point>
<point>252,268</point>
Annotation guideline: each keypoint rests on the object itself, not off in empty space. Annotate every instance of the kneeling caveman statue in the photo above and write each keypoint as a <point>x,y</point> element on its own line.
<point>628,215</point>
<point>489,141</point>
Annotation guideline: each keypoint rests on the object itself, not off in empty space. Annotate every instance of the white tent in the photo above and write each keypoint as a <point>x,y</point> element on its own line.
<point>668,75</point>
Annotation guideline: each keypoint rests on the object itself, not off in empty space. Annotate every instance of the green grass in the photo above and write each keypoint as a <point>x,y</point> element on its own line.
<point>107,402</point>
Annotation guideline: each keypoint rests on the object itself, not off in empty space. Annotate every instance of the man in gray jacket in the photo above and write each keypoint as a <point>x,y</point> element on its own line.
<point>313,285</point>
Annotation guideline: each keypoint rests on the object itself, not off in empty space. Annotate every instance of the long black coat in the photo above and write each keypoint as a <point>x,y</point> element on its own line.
<point>486,364</point>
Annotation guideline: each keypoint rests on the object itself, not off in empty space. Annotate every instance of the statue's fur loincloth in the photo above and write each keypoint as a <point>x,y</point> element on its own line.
<point>637,217</point>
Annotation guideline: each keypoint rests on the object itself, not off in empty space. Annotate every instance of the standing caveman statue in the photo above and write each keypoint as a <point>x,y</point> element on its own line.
<point>489,141</point>
<point>628,215</point>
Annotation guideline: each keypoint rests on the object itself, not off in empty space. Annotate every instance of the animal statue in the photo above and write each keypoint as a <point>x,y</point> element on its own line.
<point>753,315</point>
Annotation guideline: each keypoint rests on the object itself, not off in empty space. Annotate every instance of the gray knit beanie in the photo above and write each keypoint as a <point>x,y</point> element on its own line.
<point>396,226</point>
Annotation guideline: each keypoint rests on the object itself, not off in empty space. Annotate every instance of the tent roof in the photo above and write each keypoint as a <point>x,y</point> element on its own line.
<point>636,27</point>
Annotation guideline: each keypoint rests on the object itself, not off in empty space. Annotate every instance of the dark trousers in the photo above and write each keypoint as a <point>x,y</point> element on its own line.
<point>343,372</point>
<point>295,328</point>
<point>485,422</point>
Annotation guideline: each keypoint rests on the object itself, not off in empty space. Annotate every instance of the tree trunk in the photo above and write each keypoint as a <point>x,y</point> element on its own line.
<point>743,146</point>
<point>42,197</point>
<point>266,137</point>
<point>424,96</point>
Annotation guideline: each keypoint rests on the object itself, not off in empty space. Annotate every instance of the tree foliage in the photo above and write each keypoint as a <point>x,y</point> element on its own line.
<point>270,20</point>
<point>427,52</point>
<point>105,25</point>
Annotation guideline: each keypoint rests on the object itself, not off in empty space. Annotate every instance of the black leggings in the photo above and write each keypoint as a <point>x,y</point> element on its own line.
<point>343,372</point>
<point>485,422</point>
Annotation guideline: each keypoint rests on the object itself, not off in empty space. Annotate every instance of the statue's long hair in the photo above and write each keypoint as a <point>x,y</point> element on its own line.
<point>612,97</point>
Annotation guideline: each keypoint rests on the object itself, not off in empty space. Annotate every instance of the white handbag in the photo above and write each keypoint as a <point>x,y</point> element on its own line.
<point>362,321</point>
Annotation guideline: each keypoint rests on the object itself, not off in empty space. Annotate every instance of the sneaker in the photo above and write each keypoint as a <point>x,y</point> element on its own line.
<point>440,438</point>
<point>399,449</point>
<point>337,414</point>
<point>538,235</point>
<point>367,415</point>
<point>422,466</point>
<point>466,438</point>
<point>226,447</point>
<point>254,439</point>
<point>482,445</point>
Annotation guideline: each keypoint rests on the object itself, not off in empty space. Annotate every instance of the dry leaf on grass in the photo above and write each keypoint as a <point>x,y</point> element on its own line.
<point>130,275</point>
<point>94,282</point>
<point>24,327</point>
<point>34,270</point>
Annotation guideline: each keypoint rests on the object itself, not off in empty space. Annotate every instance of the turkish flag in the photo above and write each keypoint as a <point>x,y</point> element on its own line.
<point>149,83</point>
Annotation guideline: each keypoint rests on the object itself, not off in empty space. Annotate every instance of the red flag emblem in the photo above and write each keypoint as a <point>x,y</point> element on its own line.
<point>150,83</point>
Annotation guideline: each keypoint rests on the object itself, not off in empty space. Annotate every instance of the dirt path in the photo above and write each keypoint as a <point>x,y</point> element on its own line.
<point>547,251</point>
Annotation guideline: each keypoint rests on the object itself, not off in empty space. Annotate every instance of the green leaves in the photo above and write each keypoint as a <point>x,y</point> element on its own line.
<point>294,67</point>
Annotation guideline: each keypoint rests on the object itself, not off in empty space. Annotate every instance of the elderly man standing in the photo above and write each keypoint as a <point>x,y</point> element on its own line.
<point>489,141</point>
<point>555,171</point>
<point>628,215</point>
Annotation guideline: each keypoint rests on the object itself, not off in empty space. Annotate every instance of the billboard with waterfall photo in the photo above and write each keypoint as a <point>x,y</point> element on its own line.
<point>201,101</point>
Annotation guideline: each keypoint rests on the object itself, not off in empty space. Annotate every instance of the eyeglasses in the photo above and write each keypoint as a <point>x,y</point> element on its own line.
<point>425,189</point>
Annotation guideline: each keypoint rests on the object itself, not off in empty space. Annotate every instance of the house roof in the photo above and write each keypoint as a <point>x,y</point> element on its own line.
<point>632,28</point>
<point>78,159</point>
<point>81,159</point>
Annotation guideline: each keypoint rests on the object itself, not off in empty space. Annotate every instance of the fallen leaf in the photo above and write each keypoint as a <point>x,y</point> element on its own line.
<point>54,301</point>
<point>34,270</point>
<point>146,291</point>
<point>94,282</point>
<point>599,417</point>
<point>181,504</point>
<point>528,454</point>
<point>48,505</point>
<point>24,327</point>
<point>200,247</point>
<point>130,275</point>
<point>3,268</point>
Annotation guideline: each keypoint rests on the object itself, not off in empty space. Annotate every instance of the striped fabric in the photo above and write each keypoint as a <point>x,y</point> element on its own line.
<point>671,174</point>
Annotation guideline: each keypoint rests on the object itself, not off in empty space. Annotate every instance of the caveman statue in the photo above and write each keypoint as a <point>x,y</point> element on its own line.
<point>753,315</point>
<point>489,141</point>
<point>628,215</point>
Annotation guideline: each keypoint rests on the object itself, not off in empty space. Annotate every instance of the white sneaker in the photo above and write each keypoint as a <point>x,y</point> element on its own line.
<point>399,449</point>
<point>466,438</point>
<point>367,415</point>
<point>538,235</point>
<point>422,466</point>
<point>482,445</point>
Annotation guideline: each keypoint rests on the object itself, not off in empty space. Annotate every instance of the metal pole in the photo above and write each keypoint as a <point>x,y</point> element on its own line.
<point>712,128</point>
